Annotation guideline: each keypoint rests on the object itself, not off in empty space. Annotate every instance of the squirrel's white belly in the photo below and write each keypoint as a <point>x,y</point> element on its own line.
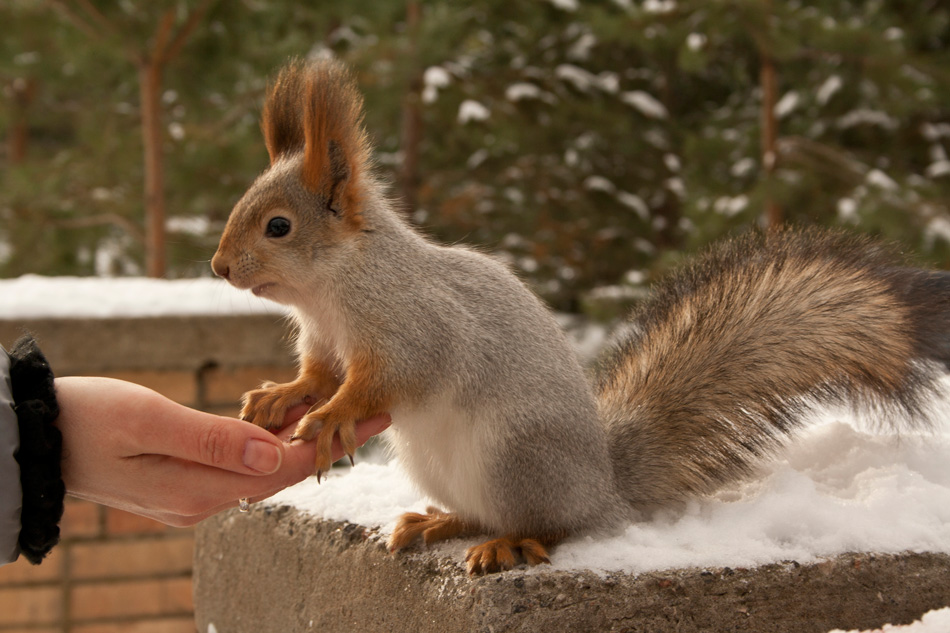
<point>443,449</point>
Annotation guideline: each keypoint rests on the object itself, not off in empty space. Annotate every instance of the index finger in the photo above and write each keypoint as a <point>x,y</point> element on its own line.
<point>365,429</point>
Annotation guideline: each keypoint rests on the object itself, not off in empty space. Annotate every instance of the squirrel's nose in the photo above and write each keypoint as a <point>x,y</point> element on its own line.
<point>220,268</point>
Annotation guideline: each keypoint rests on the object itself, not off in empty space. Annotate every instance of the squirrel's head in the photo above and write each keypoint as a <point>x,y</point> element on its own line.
<point>306,209</point>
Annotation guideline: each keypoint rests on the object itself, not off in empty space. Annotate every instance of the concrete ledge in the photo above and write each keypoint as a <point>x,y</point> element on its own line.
<point>149,343</point>
<point>276,570</point>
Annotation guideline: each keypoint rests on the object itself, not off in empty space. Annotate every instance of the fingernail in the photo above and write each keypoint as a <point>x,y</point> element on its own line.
<point>262,456</point>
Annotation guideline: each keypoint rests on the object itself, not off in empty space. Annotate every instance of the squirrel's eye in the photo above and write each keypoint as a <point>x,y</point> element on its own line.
<point>278,227</point>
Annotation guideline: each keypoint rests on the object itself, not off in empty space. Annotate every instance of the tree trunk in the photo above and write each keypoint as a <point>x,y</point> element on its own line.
<point>23,91</point>
<point>774,216</point>
<point>150,83</point>
<point>411,133</point>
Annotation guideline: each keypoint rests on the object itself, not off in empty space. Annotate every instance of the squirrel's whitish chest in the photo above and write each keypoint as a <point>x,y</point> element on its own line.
<point>443,449</point>
<point>322,333</point>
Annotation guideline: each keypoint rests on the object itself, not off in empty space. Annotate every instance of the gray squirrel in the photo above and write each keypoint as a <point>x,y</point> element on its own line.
<point>493,416</point>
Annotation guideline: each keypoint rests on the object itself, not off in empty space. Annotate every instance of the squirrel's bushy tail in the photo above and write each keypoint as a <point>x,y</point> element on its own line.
<point>718,368</point>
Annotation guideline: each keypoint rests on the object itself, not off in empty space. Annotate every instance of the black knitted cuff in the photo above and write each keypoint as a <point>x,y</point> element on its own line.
<point>40,452</point>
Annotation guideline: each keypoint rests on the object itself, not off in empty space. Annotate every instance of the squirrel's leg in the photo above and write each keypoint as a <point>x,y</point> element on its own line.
<point>267,405</point>
<point>502,553</point>
<point>435,525</point>
<point>361,396</point>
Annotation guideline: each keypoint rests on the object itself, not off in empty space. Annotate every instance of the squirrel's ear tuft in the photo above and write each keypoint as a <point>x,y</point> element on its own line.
<point>336,151</point>
<point>282,119</point>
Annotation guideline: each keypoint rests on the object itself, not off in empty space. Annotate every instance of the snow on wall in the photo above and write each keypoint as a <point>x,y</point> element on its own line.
<point>33,296</point>
<point>36,297</point>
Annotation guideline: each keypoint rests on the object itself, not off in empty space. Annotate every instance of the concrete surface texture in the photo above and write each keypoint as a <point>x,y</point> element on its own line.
<point>276,570</point>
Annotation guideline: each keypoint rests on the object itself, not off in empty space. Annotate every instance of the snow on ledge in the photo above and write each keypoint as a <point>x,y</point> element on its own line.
<point>34,296</point>
<point>836,490</point>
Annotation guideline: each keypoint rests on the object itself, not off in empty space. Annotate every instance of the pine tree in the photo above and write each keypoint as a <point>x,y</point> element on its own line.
<point>590,143</point>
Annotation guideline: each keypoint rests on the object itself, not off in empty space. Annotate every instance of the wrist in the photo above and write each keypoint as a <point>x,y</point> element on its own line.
<point>40,453</point>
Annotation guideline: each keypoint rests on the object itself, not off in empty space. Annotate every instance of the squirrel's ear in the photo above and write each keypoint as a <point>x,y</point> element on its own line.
<point>336,149</point>
<point>282,119</point>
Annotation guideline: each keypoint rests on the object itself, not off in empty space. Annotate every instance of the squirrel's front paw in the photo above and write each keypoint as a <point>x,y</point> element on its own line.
<point>324,429</point>
<point>267,406</point>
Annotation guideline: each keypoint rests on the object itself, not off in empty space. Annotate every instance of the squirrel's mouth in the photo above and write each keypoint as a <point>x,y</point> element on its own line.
<point>262,289</point>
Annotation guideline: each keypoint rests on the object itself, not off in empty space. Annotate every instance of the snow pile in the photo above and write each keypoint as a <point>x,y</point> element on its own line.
<point>933,622</point>
<point>837,489</point>
<point>33,296</point>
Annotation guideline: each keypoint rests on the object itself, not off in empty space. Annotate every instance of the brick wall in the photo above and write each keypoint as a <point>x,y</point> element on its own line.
<point>114,571</point>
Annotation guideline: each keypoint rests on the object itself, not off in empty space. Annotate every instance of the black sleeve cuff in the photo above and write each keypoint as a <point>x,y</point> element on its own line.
<point>40,452</point>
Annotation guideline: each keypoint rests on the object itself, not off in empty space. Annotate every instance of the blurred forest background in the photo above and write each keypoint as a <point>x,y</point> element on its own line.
<point>593,144</point>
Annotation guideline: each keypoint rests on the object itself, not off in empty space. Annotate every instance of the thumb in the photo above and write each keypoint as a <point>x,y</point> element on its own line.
<point>224,443</point>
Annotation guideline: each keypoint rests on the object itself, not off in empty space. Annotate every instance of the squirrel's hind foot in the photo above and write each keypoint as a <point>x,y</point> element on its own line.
<point>496,555</point>
<point>433,526</point>
<point>502,554</point>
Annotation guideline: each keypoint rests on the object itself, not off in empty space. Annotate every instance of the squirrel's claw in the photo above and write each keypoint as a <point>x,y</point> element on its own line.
<point>501,554</point>
<point>323,426</point>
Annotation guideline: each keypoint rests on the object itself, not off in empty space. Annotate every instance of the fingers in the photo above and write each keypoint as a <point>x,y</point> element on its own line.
<point>179,510</point>
<point>366,429</point>
<point>294,413</point>
<point>179,492</point>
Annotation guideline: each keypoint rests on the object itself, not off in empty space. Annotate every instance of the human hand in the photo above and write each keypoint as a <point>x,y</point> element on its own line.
<point>129,447</point>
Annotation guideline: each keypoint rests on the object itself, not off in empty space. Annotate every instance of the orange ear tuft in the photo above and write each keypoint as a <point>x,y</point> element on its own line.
<point>282,118</point>
<point>336,149</point>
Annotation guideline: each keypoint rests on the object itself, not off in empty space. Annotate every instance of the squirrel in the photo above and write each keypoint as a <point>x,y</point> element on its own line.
<point>493,416</point>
